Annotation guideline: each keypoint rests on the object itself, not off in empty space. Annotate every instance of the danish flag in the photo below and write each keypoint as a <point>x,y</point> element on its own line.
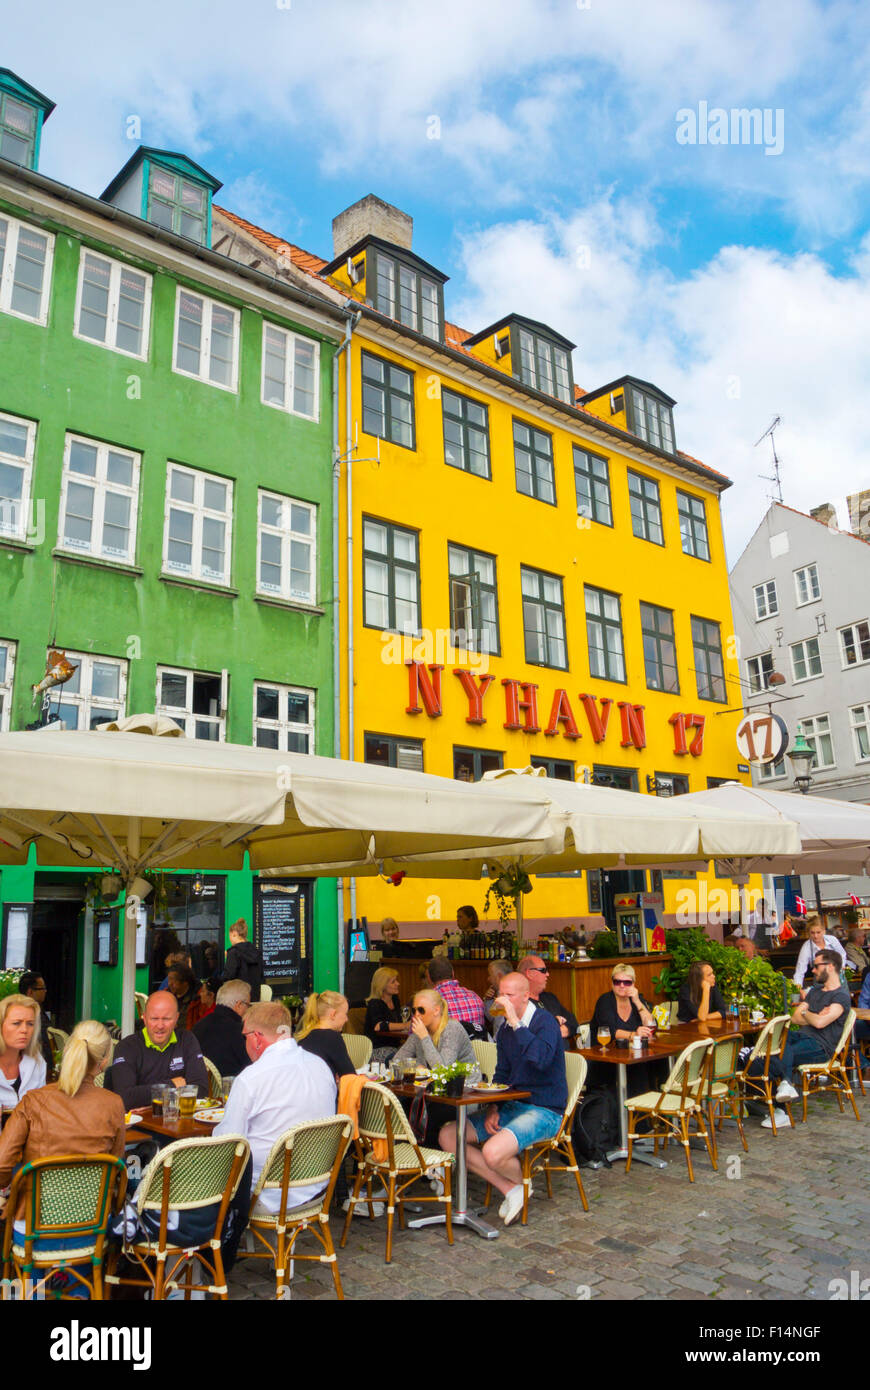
<point>856,901</point>
<point>800,906</point>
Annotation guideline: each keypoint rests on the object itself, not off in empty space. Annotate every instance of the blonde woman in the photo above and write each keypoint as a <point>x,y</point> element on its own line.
<point>384,1024</point>
<point>436,1040</point>
<point>320,1031</point>
<point>22,1066</point>
<point>72,1116</point>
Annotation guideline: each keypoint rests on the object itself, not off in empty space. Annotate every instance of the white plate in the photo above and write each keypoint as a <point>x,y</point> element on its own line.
<point>213,1114</point>
<point>491,1086</point>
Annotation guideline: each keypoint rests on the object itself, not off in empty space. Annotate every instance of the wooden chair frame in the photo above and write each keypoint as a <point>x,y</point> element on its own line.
<point>727,1078</point>
<point>769,1044</point>
<point>834,1072</point>
<point>668,1122</point>
<point>215,1080</point>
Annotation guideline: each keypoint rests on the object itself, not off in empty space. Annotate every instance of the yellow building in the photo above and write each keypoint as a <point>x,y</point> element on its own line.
<point>536,574</point>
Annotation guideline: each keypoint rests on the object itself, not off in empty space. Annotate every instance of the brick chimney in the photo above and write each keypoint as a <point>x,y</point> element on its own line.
<point>371,216</point>
<point>826,514</point>
<point>859,514</point>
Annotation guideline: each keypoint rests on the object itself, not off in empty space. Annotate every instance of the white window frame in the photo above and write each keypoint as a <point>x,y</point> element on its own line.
<point>809,726</point>
<point>773,772</point>
<point>116,270</point>
<point>283,726</point>
<point>83,699</point>
<point>811,676</point>
<point>856,643</point>
<point>806,570</point>
<point>19,531</point>
<point>863,721</point>
<point>199,512</point>
<point>6,685</point>
<point>292,340</point>
<point>7,277</point>
<point>287,536</point>
<point>208,307</point>
<point>186,711</point>
<point>755,685</point>
<point>760,591</point>
<point>101,486</point>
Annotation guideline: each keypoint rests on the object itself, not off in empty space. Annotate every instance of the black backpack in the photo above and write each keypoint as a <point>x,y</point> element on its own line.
<point>596,1127</point>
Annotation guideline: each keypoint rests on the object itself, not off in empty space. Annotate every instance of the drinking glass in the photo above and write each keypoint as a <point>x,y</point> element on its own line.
<point>226,1087</point>
<point>406,1013</point>
<point>158,1093</point>
<point>187,1102</point>
<point>170,1105</point>
<point>603,1036</point>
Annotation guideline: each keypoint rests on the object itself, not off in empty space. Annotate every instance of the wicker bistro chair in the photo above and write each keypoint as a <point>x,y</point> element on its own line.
<point>486,1054</point>
<point>769,1044</point>
<point>215,1087</point>
<point>58,1039</point>
<point>308,1154</point>
<point>359,1048</point>
<point>188,1174</point>
<point>382,1122</point>
<point>71,1199</point>
<point>536,1158</point>
<point>833,1072</point>
<point>720,1086</point>
<point>679,1101</point>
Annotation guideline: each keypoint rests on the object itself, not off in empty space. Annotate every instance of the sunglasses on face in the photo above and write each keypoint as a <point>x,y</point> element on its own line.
<point>541,969</point>
<point>419,1008</point>
<point>623,982</point>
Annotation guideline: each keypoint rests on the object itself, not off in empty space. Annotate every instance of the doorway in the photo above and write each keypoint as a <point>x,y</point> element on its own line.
<point>54,954</point>
<point>615,882</point>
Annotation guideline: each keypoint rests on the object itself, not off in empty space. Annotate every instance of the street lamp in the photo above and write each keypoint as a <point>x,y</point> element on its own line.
<point>801,758</point>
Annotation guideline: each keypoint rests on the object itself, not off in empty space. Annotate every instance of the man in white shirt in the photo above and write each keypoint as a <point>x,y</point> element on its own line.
<point>818,941</point>
<point>284,1087</point>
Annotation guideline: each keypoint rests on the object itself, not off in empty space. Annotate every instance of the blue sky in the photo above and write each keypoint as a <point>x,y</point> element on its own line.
<point>535,144</point>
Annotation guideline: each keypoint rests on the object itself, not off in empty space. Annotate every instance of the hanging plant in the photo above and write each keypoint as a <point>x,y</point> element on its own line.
<point>505,890</point>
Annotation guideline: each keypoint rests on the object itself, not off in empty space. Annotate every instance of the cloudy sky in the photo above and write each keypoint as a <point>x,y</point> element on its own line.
<point>551,154</point>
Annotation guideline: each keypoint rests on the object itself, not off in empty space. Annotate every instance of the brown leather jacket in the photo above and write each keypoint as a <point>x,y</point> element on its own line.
<point>47,1123</point>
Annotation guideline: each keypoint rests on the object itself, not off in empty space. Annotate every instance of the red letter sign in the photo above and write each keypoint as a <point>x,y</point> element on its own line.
<point>679,723</point>
<point>420,684</point>
<point>528,705</point>
<point>562,713</point>
<point>633,731</point>
<point>475,696</point>
<point>596,724</point>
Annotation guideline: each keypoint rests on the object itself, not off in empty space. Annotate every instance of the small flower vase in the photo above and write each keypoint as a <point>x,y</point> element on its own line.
<point>455,1086</point>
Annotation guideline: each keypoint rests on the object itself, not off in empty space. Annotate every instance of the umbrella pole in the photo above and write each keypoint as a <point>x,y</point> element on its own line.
<point>129,919</point>
<point>518,904</point>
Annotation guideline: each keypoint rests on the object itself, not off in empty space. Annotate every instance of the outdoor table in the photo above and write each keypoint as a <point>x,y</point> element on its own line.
<point>863,1014</point>
<point>461,1215</point>
<point>186,1128</point>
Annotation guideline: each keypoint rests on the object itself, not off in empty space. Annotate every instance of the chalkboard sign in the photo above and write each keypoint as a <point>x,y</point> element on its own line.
<point>106,935</point>
<point>282,931</point>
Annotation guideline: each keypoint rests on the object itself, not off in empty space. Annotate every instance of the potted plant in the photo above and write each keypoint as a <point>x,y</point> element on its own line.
<point>292,1003</point>
<point>449,1080</point>
<point>511,883</point>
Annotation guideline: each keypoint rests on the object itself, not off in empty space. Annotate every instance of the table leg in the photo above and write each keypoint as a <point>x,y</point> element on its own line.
<point>461,1215</point>
<point>638,1154</point>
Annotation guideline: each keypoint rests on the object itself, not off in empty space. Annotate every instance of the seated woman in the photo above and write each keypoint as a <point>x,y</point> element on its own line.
<point>700,998</point>
<point>384,1024</point>
<point>204,1002</point>
<point>320,1031</point>
<point>22,1066</point>
<point>625,1013</point>
<point>436,1040</point>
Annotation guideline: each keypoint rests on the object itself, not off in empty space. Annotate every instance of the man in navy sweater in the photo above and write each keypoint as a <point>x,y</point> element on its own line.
<point>531,1058</point>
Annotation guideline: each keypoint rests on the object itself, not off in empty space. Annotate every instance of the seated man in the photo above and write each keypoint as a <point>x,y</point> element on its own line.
<point>157,1054</point>
<point>284,1086</point>
<point>537,972</point>
<point>531,1058</point>
<point>219,1034</point>
<point>862,1029</point>
<point>743,944</point>
<point>820,1016</point>
<point>462,1004</point>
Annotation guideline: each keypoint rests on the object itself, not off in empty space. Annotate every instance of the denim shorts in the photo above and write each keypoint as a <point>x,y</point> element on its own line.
<point>529,1124</point>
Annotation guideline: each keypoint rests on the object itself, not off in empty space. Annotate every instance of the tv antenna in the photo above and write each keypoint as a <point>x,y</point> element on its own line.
<point>772,477</point>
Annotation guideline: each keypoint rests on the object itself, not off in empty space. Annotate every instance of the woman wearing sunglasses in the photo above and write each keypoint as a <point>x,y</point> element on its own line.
<point>436,1040</point>
<point>625,1014</point>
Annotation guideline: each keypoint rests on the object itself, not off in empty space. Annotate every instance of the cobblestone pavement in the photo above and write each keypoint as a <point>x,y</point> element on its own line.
<point>777,1223</point>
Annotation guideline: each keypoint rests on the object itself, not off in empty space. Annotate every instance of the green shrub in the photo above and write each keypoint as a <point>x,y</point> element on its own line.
<point>754,981</point>
<point>9,982</point>
<point>603,943</point>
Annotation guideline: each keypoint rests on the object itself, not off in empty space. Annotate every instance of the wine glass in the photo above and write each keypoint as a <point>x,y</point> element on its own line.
<point>603,1036</point>
<point>406,1013</point>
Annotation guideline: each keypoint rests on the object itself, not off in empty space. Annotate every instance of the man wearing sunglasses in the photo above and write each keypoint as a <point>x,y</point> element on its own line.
<point>537,972</point>
<point>820,1018</point>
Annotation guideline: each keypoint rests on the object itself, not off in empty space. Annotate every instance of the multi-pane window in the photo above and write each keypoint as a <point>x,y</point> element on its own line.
<point>7,674</point>
<point>651,419</point>
<point>25,270</point>
<point>469,764</point>
<point>177,204</point>
<point>286,540</point>
<point>17,131</point>
<point>670,784</point>
<point>543,365</point>
<point>112,304</point>
<point>290,368</point>
<point>391,577</point>
<point>693,526</point>
<point>759,669</point>
<point>466,434</point>
<point>806,659</point>
<point>816,729</point>
<point>206,340</point>
<point>806,584</point>
<point>17,439</point>
<point>855,643</point>
<point>768,772</point>
<point>646,509</point>
<point>604,635</point>
<point>766,601</point>
<point>95,693</point>
<point>659,648</point>
<point>406,294</point>
<point>543,619</point>
<point>283,717</point>
<point>199,520</point>
<point>384,751</point>
<point>533,459</point>
<point>388,401</point>
<point>98,500</point>
<point>473,599</point>
<point>592,483</point>
<point>196,700</point>
<point>559,768</point>
<point>859,717</point>
<point>709,668</point>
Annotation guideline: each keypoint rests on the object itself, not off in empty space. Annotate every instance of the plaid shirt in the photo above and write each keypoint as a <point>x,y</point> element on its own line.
<point>462,1003</point>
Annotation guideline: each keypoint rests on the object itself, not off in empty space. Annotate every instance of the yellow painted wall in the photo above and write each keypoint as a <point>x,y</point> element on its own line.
<point>600,406</point>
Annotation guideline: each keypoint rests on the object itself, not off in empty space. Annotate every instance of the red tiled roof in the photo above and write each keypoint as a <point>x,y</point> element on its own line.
<point>819,522</point>
<point>304,260</point>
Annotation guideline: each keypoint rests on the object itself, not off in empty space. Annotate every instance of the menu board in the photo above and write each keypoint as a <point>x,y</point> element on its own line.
<point>106,921</point>
<point>282,931</point>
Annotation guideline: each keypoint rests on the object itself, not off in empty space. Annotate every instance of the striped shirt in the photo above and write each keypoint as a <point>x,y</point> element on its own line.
<point>462,1003</point>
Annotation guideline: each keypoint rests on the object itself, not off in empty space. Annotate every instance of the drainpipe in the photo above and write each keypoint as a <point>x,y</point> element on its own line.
<point>348,424</point>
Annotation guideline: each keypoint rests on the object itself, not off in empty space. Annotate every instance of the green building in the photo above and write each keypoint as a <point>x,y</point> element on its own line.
<point>166,508</point>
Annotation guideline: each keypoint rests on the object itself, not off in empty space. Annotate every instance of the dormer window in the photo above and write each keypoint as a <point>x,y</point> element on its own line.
<point>404,293</point>
<point>22,112</point>
<point>177,204</point>
<point>650,417</point>
<point>543,365</point>
<point>168,190</point>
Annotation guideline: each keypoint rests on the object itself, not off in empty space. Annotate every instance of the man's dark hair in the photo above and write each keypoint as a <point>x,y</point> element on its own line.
<point>184,972</point>
<point>440,968</point>
<point>830,957</point>
<point>29,980</point>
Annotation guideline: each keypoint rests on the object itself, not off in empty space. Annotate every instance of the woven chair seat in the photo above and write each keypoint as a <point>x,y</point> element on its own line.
<point>260,1216</point>
<point>406,1157</point>
<point>717,1089</point>
<point>815,1066</point>
<point>650,1100</point>
<point>48,1254</point>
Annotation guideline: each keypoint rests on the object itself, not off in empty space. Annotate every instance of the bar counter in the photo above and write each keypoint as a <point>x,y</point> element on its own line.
<point>576,985</point>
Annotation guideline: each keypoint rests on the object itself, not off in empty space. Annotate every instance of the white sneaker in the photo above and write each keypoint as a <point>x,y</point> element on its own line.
<point>786,1091</point>
<point>361,1208</point>
<point>512,1204</point>
<point>503,1208</point>
<point>782,1120</point>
